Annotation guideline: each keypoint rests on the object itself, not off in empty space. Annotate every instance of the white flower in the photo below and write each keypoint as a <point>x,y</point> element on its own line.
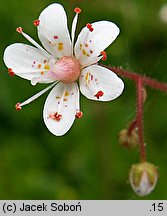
<point>62,64</point>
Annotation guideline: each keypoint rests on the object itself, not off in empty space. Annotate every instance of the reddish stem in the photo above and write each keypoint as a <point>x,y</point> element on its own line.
<point>134,76</point>
<point>139,117</point>
<point>132,126</point>
<point>140,80</point>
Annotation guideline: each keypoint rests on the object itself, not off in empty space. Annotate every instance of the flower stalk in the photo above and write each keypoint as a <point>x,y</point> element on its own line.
<point>132,126</point>
<point>139,118</point>
<point>141,81</point>
<point>147,81</point>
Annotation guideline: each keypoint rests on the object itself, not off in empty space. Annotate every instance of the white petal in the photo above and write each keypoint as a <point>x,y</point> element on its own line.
<point>89,45</point>
<point>27,62</point>
<point>94,79</point>
<point>63,100</point>
<point>53,31</point>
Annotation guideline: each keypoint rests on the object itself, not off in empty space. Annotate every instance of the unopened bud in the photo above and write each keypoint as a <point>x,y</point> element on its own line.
<point>128,140</point>
<point>143,178</point>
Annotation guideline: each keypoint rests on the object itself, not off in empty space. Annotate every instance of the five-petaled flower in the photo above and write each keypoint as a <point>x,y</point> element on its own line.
<point>62,63</point>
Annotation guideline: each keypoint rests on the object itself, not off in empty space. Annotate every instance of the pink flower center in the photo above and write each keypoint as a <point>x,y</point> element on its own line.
<point>67,69</point>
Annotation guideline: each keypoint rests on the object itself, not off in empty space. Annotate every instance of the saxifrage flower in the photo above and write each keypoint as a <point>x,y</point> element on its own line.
<point>62,63</point>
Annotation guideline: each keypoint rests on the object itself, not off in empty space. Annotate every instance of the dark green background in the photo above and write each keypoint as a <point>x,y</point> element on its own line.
<point>87,162</point>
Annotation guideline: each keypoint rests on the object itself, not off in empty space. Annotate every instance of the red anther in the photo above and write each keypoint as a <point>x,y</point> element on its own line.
<point>104,54</point>
<point>89,26</point>
<point>79,115</point>
<point>36,22</point>
<point>19,30</point>
<point>77,10</point>
<point>18,107</point>
<point>99,94</point>
<point>10,71</point>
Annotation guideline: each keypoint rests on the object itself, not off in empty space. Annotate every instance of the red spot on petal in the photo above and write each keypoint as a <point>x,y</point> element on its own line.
<point>79,115</point>
<point>104,54</point>
<point>55,37</point>
<point>19,30</point>
<point>10,71</point>
<point>36,22</point>
<point>89,26</point>
<point>55,116</point>
<point>99,94</point>
<point>77,10</point>
<point>18,107</point>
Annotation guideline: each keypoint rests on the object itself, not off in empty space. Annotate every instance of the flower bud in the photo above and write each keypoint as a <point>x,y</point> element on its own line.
<point>143,178</point>
<point>128,140</point>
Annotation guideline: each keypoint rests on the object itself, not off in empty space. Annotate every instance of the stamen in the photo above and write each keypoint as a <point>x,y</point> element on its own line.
<point>104,54</point>
<point>18,107</point>
<point>86,43</point>
<point>79,115</point>
<point>10,71</point>
<point>19,30</point>
<point>74,24</point>
<point>36,22</point>
<point>77,10</point>
<point>89,26</point>
<point>34,97</point>
<point>99,94</point>
<point>55,116</point>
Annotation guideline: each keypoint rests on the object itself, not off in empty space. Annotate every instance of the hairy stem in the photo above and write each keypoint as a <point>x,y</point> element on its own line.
<point>132,126</point>
<point>139,118</point>
<point>147,81</point>
<point>141,81</point>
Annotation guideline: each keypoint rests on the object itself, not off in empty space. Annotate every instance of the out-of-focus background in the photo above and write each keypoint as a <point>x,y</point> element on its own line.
<point>87,162</point>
